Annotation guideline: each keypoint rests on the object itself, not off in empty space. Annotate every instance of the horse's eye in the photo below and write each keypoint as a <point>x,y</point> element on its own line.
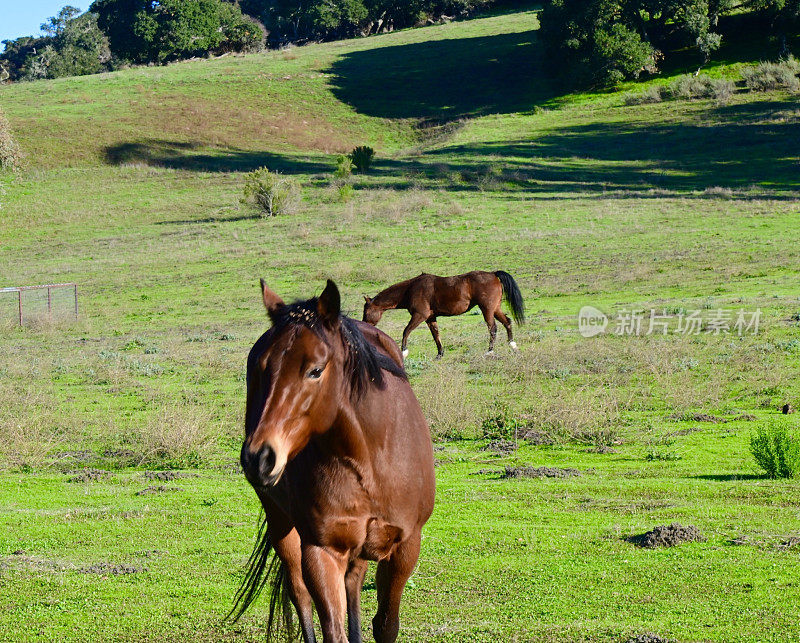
<point>315,373</point>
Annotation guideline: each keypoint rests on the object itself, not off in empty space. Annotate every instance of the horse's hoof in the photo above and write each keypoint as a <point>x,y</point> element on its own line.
<point>513,345</point>
<point>439,355</point>
<point>405,353</point>
<point>489,353</point>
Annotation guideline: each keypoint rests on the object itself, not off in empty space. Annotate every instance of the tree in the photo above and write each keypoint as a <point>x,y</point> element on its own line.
<point>163,30</point>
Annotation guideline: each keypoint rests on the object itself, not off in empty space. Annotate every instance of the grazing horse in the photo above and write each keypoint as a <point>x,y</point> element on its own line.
<point>427,297</point>
<point>339,453</point>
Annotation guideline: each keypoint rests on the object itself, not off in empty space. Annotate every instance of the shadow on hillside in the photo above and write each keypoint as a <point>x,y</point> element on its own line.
<point>201,158</point>
<point>443,80</point>
<point>733,151</point>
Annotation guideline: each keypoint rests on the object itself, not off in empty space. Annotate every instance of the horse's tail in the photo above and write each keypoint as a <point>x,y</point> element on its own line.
<point>513,296</point>
<point>266,568</point>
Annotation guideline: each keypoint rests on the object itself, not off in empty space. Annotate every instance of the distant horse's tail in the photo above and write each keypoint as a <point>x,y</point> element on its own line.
<point>266,568</point>
<point>513,296</point>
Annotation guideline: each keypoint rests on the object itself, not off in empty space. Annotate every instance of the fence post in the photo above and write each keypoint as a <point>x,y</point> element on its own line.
<point>19,295</point>
<point>49,305</point>
<point>76,302</point>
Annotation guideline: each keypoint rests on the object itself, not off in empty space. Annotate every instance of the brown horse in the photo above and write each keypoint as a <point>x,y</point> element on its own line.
<point>427,297</point>
<point>339,453</point>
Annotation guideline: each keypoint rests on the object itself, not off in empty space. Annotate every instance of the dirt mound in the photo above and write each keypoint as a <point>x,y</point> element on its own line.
<point>149,491</point>
<point>648,637</point>
<point>537,438</point>
<point>107,569</point>
<point>745,417</point>
<point>667,536</point>
<point>602,449</point>
<point>500,446</point>
<point>90,475</point>
<point>539,472</point>
<point>696,417</point>
<point>166,476</point>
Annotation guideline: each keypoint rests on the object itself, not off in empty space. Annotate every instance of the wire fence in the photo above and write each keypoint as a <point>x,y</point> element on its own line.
<point>32,304</point>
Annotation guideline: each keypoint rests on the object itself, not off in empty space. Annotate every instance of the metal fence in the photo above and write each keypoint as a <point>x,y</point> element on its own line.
<point>30,304</point>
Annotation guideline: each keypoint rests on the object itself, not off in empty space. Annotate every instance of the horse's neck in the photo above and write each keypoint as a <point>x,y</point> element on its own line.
<point>392,297</point>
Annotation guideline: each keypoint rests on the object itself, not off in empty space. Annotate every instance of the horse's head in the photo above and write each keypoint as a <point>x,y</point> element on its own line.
<point>294,382</point>
<point>372,313</point>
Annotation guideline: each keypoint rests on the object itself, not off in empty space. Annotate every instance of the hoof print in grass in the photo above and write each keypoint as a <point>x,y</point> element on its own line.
<point>90,475</point>
<point>667,536</point>
<point>539,472</point>
<point>648,638</point>
<point>500,446</point>
<point>149,491</point>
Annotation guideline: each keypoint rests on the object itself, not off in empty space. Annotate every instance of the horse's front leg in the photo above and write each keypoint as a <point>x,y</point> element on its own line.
<point>353,582</point>
<point>416,320</point>
<point>288,549</point>
<point>323,573</point>
<point>390,579</point>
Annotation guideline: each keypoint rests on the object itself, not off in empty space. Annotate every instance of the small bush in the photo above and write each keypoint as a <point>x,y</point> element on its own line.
<point>272,192</point>
<point>361,157</point>
<point>502,423</point>
<point>768,76</point>
<point>695,87</point>
<point>776,449</point>
<point>10,153</point>
<point>344,167</point>
<point>654,94</point>
<point>346,192</point>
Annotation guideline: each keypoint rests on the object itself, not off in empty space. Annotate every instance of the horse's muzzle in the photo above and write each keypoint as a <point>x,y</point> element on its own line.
<point>259,465</point>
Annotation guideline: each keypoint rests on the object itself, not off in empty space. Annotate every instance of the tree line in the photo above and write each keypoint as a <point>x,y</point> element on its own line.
<point>587,42</point>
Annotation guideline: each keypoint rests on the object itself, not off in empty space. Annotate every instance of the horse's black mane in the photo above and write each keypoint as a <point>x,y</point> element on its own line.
<point>365,362</point>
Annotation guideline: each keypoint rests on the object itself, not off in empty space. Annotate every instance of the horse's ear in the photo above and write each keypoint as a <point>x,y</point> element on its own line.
<point>329,304</point>
<point>368,299</point>
<point>272,302</point>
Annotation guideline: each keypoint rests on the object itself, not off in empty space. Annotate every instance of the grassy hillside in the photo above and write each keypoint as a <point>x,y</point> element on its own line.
<point>132,190</point>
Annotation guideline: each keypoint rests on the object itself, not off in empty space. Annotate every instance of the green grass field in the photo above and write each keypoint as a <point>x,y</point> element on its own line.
<point>132,189</point>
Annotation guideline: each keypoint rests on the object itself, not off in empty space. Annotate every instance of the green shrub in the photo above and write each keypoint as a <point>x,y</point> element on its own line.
<point>502,423</point>
<point>768,76</point>
<point>653,94</point>
<point>361,157</point>
<point>694,87</point>
<point>776,449</point>
<point>10,154</point>
<point>272,192</point>
<point>346,192</point>
<point>344,167</point>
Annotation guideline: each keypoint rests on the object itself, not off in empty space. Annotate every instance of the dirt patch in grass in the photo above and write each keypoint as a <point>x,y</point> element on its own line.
<point>537,438</point>
<point>149,491</point>
<point>648,637</point>
<point>500,446</point>
<point>90,475</point>
<point>744,417</point>
<point>107,569</point>
<point>696,417</point>
<point>687,431</point>
<point>540,472</point>
<point>667,536</point>
<point>166,476</point>
<point>602,449</point>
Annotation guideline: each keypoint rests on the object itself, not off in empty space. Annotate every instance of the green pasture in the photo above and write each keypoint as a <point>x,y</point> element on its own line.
<point>132,189</point>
